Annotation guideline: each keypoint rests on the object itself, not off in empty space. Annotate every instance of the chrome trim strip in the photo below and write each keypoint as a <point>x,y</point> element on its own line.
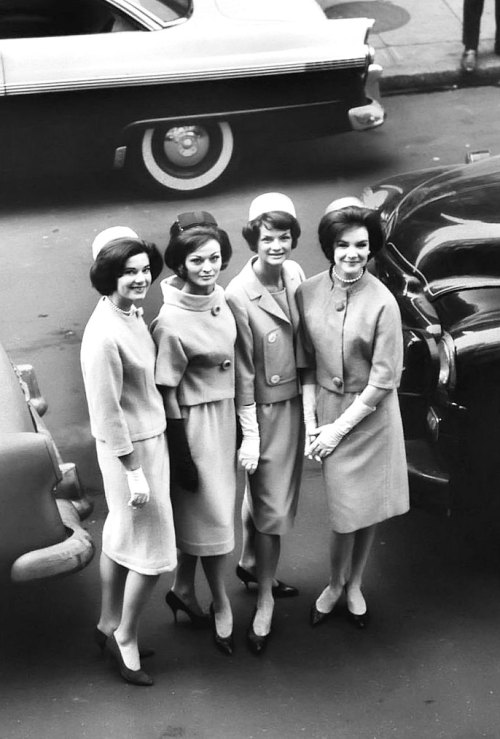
<point>226,114</point>
<point>198,76</point>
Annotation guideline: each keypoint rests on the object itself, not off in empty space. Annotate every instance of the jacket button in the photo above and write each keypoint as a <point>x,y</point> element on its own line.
<point>340,306</point>
<point>275,379</point>
<point>272,337</point>
<point>226,364</point>
<point>337,382</point>
<point>215,310</point>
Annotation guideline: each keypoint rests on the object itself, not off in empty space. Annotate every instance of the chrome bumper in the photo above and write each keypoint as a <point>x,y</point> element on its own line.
<point>68,556</point>
<point>372,114</point>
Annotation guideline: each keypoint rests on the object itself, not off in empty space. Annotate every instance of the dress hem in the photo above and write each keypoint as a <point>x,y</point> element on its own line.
<point>205,550</point>
<point>151,571</point>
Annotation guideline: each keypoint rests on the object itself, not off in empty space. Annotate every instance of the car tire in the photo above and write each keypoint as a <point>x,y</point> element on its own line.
<point>185,157</point>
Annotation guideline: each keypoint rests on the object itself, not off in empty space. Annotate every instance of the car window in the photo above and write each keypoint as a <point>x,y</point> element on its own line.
<point>166,10</point>
<point>38,18</point>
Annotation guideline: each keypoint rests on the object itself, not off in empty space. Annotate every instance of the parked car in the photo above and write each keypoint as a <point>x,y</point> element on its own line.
<point>442,263</point>
<point>41,497</point>
<point>169,89</point>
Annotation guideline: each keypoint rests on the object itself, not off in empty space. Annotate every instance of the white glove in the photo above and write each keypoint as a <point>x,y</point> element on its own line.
<point>330,435</point>
<point>138,487</point>
<point>309,415</point>
<point>250,446</point>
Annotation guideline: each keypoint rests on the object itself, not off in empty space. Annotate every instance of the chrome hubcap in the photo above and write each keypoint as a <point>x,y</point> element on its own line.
<point>186,146</point>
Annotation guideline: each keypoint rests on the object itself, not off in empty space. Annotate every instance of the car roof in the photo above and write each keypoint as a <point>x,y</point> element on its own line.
<point>447,229</point>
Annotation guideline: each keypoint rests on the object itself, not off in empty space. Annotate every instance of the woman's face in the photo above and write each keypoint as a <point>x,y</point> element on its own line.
<point>274,246</point>
<point>203,268</point>
<point>134,283</point>
<point>351,251</point>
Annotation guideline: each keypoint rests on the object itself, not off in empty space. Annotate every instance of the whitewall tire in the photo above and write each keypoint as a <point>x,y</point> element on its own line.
<point>187,157</point>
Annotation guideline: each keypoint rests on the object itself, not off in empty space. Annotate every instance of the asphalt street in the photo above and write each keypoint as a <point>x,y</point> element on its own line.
<point>428,667</point>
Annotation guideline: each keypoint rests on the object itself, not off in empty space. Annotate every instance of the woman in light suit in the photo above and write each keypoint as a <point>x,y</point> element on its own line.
<point>268,399</point>
<point>351,353</point>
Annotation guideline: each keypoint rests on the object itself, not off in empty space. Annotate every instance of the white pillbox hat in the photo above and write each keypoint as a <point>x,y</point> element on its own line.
<point>268,202</point>
<point>346,202</point>
<point>110,234</point>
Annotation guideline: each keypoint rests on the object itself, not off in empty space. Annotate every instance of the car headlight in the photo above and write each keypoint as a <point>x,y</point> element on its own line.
<point>447,368</point>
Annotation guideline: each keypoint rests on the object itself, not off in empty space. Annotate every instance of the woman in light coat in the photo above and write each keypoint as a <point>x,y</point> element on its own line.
<point>351,352</point>
<point>128,423</point>
<point>268,401</point>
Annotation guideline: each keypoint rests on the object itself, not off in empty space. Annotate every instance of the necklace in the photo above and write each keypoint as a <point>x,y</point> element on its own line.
<point>346,281</point>
<point>120,310</point>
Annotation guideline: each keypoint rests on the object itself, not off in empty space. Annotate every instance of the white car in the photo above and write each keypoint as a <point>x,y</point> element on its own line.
<point>170,88</point>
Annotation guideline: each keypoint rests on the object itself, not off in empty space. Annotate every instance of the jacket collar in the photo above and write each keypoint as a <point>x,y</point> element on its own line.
<point>256,291</point>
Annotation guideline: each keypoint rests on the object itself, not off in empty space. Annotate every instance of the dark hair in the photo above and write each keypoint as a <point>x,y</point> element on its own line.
<point>111,260</point>
<point>185,242</point>
<point>333,224</point>
<point>277,219</point>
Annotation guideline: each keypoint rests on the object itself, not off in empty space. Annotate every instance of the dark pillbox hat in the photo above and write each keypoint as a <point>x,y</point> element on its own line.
<point>195,218</point>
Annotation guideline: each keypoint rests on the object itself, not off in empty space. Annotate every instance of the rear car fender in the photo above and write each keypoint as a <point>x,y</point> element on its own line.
<point>68,556</point>
<point>39,536</point>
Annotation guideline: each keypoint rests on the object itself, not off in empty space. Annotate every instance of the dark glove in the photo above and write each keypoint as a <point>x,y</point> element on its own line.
<point>182,468</point>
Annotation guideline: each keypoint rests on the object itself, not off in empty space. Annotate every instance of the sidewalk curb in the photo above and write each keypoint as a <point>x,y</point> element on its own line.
<point>394,84</point>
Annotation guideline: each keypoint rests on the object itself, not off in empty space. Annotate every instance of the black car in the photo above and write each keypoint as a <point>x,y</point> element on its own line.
<point>442,263</point>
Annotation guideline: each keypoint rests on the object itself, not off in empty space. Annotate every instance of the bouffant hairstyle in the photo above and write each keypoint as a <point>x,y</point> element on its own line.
<point>111,260</point>
<point>184,242</point>
<point>277,219</point>
<point>334,223</point>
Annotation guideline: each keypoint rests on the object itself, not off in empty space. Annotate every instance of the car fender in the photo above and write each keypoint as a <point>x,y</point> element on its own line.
<point>68,556</point>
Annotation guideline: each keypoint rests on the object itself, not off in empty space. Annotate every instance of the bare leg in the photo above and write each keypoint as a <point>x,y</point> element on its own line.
<point>214,568</point>
<point>341,549</point>
<point>247,558</point>
<point>138,589</point>
<point>184,581</point>
<point>361,551</point>
<point>113,577</point>
<point>268,552</point>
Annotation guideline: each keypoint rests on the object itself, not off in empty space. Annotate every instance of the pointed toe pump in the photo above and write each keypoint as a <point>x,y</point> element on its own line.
<point>176,604</point>
<point>280,590</point>
<point>256,643</point>
<point>134,677</point>
<point>359,620</point>
<point>224,644</point>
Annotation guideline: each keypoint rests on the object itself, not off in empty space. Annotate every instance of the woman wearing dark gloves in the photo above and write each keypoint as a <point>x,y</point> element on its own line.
<point>267,398</point>
<point>128,423</point>
<point>195,334</point>
<point>351,349</point>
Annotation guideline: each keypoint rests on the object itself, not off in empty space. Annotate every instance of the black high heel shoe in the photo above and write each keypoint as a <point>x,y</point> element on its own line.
<point>134,677</point>
<point>101,638</point>
<point>359,620</point>
<point>317,617</point>
<point>224,643</point>
<point>281,590</point>
<point>176,604</point>
<point>256,643</point>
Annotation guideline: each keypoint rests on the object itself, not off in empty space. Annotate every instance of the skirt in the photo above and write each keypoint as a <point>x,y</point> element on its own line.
<point>141,540</point>
<point>365,478</point>
<point>272,492</point>
<point>204,520</point>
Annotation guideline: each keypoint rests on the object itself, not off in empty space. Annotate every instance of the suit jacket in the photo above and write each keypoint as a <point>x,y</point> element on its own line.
<point>351,336</point>
<point>265,344</point>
